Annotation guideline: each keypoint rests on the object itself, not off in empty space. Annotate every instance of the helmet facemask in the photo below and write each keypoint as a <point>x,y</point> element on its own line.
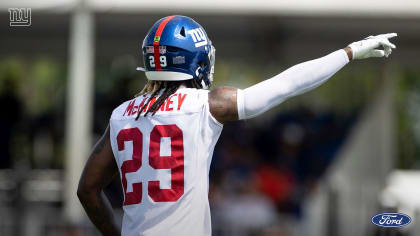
<point>204,72</point>
<point>212,59</point>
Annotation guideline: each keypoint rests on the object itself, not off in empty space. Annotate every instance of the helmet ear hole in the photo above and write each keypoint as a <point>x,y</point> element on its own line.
<point>182,32</point>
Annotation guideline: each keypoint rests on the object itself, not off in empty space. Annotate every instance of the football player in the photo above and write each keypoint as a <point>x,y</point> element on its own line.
<point>161,142</point>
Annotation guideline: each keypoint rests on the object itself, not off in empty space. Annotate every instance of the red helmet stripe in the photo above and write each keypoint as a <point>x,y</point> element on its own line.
<point>156,41</point>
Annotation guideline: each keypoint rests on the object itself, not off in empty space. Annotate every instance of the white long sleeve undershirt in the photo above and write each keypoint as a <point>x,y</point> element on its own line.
<point>296,80</point>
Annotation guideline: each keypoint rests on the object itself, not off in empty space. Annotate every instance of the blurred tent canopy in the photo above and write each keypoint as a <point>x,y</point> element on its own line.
<point>409,8</point>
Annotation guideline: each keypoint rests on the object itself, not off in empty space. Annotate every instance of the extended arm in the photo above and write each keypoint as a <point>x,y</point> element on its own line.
<point>99,170</point>
<point>296,80</point>
<point>232,104</point>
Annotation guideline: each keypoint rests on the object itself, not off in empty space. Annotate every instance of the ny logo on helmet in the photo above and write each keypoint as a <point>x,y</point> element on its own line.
<point>198,36</point>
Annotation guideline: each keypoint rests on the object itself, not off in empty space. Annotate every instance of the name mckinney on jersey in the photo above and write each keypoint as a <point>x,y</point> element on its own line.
<point>168,105</point>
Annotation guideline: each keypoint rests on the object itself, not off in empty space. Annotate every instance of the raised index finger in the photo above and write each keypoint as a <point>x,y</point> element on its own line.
<point>389,35</point>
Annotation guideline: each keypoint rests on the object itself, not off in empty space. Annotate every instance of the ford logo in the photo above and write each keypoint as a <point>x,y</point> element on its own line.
<point>391,220</point>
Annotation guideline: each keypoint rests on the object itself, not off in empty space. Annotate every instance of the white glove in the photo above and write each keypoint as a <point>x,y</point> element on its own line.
<point>367,47</point>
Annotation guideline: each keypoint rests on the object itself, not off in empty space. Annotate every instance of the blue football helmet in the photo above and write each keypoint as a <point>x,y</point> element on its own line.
<point>177,48</point>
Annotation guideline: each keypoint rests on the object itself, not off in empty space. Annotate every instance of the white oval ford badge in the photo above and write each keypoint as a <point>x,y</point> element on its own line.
<point>391,220</point>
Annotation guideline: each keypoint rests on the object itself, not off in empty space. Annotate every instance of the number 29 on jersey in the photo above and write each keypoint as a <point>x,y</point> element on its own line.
<point>174,162</point>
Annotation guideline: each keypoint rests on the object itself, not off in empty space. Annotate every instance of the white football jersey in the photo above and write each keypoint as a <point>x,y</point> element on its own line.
<point>164,163</point>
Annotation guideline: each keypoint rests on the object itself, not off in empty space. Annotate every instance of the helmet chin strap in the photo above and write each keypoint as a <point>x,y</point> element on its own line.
<point>199,72</point>
<point>204,85</point>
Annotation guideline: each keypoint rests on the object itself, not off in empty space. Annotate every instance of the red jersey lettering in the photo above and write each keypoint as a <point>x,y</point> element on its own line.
<point>181,98</point>
<point>168,103</point>
<point>151,103</point>
<point>129,108</point>
<point>141,104</point>
<point>162,108</point>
